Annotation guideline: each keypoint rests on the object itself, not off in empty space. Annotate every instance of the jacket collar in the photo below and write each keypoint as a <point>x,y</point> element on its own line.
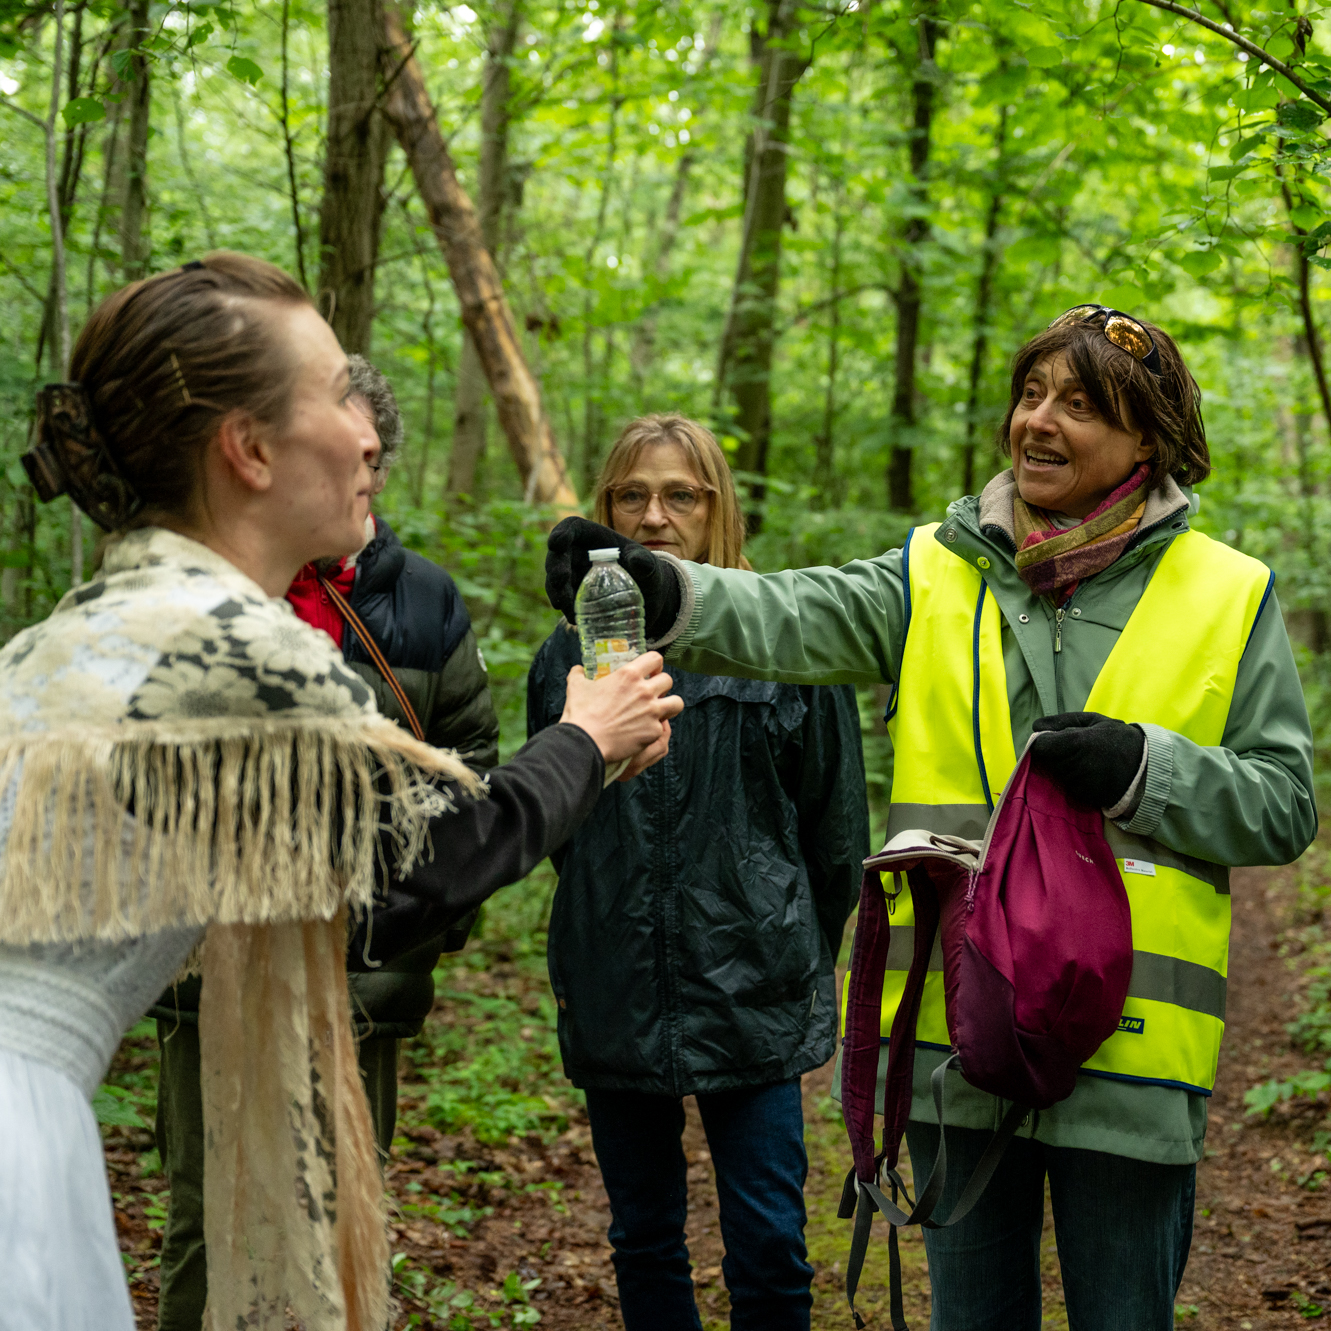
<point>380,564</point>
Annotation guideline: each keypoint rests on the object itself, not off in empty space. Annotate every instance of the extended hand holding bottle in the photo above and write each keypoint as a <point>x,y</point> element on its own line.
<point>569,558</point>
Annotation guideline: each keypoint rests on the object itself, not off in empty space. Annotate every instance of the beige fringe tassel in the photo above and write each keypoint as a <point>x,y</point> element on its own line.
<point>293,1198</point>
<point>264,830</point>
<point>236,821</point>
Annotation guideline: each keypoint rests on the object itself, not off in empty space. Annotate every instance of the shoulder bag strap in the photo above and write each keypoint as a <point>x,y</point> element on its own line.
<point>343,608</point>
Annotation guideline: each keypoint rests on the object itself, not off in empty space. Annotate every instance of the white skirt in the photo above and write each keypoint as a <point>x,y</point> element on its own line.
<point>60,1263</point>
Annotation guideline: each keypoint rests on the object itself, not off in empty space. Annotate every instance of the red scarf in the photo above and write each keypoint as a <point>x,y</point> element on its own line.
<point>311,603</point>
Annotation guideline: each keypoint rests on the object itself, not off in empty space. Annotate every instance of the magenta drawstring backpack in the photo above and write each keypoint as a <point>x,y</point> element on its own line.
<point>1036,941</point>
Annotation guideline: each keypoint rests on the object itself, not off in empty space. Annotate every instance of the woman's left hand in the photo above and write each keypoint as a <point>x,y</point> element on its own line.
<point>1095,758</point>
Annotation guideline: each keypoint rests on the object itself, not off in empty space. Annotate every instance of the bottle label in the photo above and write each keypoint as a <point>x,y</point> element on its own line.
<point>611,653</point>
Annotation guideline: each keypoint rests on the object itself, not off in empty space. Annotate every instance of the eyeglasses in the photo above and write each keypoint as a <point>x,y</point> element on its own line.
<point>1121,329</point>
<point>677,500</point>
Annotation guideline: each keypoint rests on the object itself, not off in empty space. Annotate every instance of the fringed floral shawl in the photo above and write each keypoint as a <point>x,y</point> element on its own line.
<point>177,749</point>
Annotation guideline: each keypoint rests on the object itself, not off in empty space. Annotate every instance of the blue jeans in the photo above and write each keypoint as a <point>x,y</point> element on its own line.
<point>756,1139</point>
<point>1123,1228</point>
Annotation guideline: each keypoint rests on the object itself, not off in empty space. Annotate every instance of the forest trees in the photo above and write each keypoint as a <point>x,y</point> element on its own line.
<point>821,228</point>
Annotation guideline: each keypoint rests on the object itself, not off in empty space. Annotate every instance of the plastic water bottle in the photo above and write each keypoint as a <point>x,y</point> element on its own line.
<point>611,615</point>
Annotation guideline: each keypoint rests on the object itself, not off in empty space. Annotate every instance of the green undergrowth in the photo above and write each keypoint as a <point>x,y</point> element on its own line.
<point>1305,948</point>
<point>488,1059</point>
<point>1305,945</point>
<point>129,1097</point>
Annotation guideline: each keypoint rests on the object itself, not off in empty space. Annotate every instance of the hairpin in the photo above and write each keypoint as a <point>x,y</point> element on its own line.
<point>180,380</point>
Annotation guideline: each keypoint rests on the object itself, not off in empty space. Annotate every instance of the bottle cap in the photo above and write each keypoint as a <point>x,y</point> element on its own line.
<point>610,556</point>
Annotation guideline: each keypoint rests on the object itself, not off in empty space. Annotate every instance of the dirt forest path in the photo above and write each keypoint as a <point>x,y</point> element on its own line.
<point>536,1212</point>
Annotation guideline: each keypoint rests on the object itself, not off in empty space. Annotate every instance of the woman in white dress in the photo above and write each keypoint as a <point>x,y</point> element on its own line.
<point>182,762</point>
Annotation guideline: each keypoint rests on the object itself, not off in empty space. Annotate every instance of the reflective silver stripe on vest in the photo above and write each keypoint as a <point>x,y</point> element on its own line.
<point>968,820</point>
<point>1183,983</point>
<point>1163,979</point>
<point>1126,846</point>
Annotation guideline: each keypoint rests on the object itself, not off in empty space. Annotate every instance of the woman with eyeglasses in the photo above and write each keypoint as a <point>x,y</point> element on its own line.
<point>1071,599</point>
<point>696,926</point>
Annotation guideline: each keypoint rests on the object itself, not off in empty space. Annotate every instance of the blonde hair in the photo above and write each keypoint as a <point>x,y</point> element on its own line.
<point>725,524</point>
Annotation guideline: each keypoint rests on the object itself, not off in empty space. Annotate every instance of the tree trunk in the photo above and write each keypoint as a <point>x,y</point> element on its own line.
<point>133,246</point>
<point>59,286</point>
<point>354,156</point>
<point>1311,339</point>
<point>643,345</point>
<point>591,384</point>
<point>745,364</point>
<point>900,488</point>
<point>469,402</point>
<point>485,310</point>
<point>289,146</point>
<point>983,299</point>
<point>824,467</point>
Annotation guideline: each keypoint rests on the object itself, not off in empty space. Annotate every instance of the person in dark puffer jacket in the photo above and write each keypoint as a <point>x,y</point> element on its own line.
<point>417,617</point>
<point>696,926</point>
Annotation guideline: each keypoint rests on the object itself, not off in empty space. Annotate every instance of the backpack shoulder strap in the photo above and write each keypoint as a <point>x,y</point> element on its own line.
<point>353,620</point>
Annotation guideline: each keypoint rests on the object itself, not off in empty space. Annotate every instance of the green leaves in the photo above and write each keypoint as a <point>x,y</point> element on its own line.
<point>1200,262</point>
<point>1044,57</point>
<point>83,111</point>
<point>114,1105</point>
<point>243,69</point>
<point>1307,216</point>
<point>1307,1082</point>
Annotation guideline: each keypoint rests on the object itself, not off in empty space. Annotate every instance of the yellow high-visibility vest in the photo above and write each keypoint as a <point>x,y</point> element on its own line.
<point>1174,665</point>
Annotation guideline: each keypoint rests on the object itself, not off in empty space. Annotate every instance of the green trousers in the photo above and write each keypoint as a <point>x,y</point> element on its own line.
<point>184,1270</point>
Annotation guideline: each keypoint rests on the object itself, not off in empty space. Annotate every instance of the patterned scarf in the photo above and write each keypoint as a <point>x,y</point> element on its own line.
<point>1053,560</point>
<point>259,773</point>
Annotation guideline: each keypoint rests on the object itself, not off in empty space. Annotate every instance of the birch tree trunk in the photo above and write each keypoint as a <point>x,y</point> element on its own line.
<point>485,311</point>
<point>353,199</point>
<point>469,401</point>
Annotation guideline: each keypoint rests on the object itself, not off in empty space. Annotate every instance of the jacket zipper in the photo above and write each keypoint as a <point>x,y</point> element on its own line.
<point>1058,629</point>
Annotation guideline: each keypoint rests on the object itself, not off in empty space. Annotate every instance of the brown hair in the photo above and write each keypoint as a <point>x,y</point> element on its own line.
<point>1167,410</point>
<point>163,360</point>
<point>725,525</point>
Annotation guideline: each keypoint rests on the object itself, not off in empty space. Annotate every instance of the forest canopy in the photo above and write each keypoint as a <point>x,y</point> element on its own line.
<point>822,228</point>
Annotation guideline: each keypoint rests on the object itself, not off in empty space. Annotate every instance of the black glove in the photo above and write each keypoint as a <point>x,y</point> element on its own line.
<point>566,564</point>
<point>1093,757</point>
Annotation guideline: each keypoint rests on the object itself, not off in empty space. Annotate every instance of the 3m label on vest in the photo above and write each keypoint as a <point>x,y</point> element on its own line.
<point>1139,866</point>
<point>1132,1025</point>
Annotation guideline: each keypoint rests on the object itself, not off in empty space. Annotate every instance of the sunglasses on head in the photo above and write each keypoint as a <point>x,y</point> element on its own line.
<point>1121,329</point>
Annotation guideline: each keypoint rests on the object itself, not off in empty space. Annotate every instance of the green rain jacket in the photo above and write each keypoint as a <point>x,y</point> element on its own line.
<point>1249,801</point>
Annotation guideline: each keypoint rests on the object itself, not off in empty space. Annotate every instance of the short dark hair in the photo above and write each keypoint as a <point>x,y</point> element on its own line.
<point>163,360</point>
<point>1167,410</point>
<point>369,383</point>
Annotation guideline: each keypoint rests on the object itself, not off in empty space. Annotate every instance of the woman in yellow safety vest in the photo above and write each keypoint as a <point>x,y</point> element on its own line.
<point>1072,598</point>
